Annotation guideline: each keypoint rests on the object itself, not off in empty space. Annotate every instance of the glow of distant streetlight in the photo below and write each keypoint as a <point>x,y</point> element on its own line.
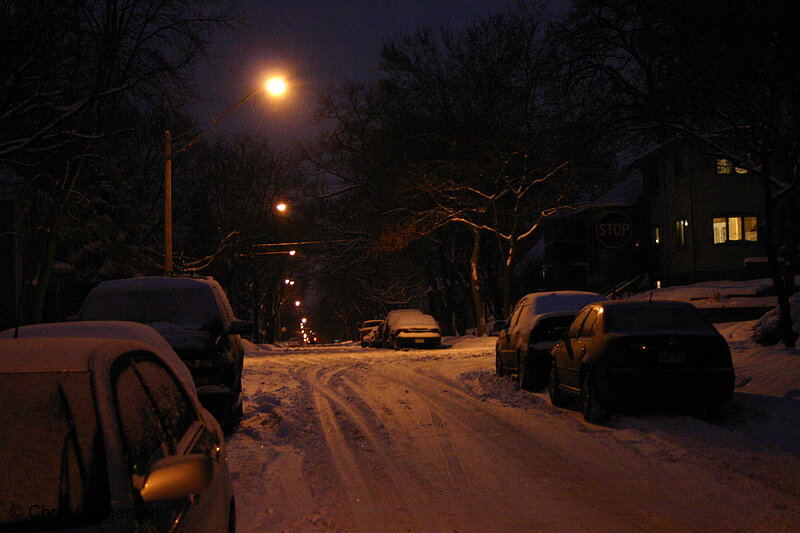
<point>276,86</point>
<point>292,252</point>
<point>297,303</point>
<point>281,207</point>
<point>304,320</point>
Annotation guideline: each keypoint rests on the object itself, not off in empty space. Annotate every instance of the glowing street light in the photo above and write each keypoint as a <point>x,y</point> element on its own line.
<point>297,303</point>
<point>275,86</point>
<point>281,207</point>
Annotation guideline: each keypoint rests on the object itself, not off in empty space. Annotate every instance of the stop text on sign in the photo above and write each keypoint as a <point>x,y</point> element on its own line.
<point>614,230</point>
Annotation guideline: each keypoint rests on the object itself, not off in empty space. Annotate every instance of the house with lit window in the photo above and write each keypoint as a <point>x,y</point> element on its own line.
<point>704,215</point>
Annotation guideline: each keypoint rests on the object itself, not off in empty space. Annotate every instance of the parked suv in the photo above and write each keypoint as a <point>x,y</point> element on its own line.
<point>196,319</point>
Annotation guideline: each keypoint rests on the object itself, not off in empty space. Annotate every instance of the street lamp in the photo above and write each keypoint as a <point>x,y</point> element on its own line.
<point>274,86</point>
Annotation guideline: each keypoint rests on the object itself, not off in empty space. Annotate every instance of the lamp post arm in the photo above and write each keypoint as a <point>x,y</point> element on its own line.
<point>219,119</point>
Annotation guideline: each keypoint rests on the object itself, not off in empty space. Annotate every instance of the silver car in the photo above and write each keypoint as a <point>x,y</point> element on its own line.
<point>103,431</point>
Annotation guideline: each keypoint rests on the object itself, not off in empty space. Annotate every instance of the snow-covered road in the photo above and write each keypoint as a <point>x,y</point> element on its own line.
<point>341,438</point>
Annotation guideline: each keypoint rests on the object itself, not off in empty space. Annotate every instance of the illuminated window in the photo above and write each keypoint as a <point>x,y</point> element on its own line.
<point>734,229</point>
<point>657,235</point>
<point>750,229</point>
<point>680,231</point>
<point>720,231</point>
<point>726,166</point>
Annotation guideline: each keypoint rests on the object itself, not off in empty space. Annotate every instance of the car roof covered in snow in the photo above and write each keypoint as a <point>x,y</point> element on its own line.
<point>155,283</point>
<point>558,301</point>
<point>88,336</point>
<point>418,320</point>
<point>108,329</point>
<point>60,354</point>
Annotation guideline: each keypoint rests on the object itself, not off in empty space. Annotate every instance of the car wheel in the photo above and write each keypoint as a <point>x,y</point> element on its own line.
<point>557,396</point>
<point>498,367</point>
<point>593,409</point>
<point>524,373</point>
<point>395,343</point>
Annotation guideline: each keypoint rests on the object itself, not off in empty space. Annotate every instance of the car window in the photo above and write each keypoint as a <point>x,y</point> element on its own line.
<point>518,312</point>
<point>654,317</point>
<point>142,435</point>
<point>193,306</point>
<point>587,329</point>
<point>573,330</point>
<point>223,303</point>
<point>145,442</point>
<point>176,411</point>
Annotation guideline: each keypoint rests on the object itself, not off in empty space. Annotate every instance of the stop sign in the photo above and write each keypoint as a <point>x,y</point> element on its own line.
<point>614,230</point>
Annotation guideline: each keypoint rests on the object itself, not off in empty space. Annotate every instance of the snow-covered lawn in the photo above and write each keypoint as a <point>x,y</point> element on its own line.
<point>342,438</point>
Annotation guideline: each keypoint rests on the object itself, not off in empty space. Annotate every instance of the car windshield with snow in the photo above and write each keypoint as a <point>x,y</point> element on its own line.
<point>526,338</point>
<point>196,319</point>
<point>624,354</point>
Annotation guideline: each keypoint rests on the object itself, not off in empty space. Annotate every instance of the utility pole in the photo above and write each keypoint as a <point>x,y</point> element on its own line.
<point>167,201</point>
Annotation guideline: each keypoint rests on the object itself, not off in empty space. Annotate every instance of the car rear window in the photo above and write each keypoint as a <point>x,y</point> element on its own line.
<point>551,328</point>
<point>52,469</point>
<point>653,317</point>
<point>188,306</point>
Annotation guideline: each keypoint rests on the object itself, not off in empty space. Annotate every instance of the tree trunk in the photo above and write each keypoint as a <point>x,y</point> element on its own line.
<point>784,309</point>
<point>508,267</point>
<point>477,299</point>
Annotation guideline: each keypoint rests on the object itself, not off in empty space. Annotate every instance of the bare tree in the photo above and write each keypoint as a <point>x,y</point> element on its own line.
<point>73,70</point>
<point>721,73</point>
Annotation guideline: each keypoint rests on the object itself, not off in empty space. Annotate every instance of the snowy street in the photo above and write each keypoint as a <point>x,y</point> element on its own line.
<point>343,438</point>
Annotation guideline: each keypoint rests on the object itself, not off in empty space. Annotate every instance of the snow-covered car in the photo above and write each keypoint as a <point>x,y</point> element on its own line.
<point>619,354</point>
<point>196,319</point>
<point>371,338</point>
<point>106,433</point>
<point>383,335</point>
<point>416,330</point>
<point>369,327</point>
<point>526,338</point>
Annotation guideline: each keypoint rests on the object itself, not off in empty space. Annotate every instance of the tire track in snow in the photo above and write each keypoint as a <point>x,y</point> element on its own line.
<point>357,493</point>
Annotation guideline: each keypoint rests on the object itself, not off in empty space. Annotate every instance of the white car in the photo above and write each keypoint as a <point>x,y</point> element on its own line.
<point>103,431</point>
<point>368,329</point>
<point>384,331</point>
<point>414,330</point>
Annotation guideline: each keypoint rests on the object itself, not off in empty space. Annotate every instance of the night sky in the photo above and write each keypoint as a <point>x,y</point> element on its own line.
<point>316,44</point>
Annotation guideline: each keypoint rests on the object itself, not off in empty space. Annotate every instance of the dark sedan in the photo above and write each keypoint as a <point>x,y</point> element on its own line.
<point>627,354</point>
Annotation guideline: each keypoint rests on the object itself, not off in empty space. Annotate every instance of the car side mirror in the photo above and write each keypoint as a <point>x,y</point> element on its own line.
<point>240,327</point>
<point>177,476</point>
